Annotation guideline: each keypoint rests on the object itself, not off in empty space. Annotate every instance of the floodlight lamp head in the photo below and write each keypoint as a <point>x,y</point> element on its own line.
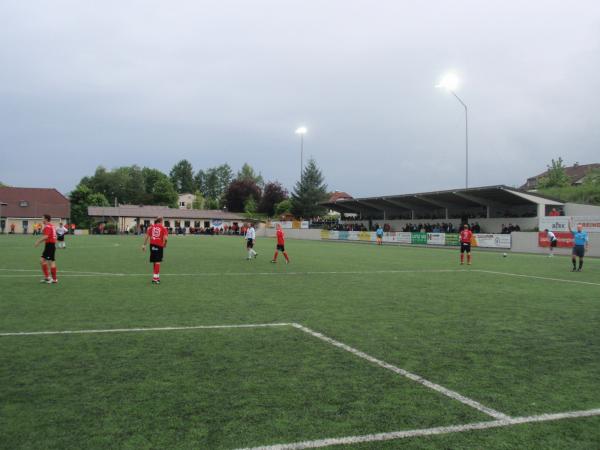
<point>449,82</point>
<point>301,130</point>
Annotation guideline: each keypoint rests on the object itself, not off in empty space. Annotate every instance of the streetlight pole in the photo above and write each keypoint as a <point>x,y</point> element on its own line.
<point>450,83</point>
<point>466,139</point>
<point>301,131</point>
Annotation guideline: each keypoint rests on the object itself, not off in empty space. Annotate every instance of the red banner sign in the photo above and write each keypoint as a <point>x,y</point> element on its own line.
<point>564,239</point>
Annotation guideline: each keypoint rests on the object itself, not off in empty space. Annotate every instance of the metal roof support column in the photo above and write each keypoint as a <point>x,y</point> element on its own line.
<point>446,209</point>
<point>412,214</point>
<point>487,211</point>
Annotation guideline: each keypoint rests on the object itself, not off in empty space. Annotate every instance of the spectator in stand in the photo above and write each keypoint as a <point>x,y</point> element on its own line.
<point>554,213</point>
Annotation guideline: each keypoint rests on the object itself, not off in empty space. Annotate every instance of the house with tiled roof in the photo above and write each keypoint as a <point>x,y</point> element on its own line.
<point>576,173</point>
<point>23,208</point>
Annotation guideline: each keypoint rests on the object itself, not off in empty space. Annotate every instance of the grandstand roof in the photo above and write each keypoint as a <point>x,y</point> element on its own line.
<point>498,195</point>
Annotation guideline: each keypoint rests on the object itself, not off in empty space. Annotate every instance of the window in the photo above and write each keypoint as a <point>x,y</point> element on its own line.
<point>187,223</point>
<point>182,204</point>
<point>24,203</point>
<point>167,224</point>
<point>196,224</point>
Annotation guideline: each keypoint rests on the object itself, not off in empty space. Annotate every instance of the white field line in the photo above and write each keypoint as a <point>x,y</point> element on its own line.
<point>536,277</point>
<point>138,330</point>
<point>73,273</point>
<point>349,440</point>
<point>436,387</point>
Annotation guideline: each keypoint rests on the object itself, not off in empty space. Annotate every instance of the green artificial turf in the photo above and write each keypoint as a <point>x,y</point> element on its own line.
<point>520,345</point>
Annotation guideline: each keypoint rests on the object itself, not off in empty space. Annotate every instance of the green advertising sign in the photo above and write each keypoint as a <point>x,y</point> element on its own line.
<point>418,238</point>
<point>452,239</point>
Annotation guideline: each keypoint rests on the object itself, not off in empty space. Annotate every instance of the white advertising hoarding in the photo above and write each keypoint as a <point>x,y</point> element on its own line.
<point>436,239</point>
<point>561,224</point>
<point>492,240</point>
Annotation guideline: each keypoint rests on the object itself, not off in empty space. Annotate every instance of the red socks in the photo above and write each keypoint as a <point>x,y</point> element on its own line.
<point>286,256</point>
<point>462,258</point>
<point>156,270</point>
<point>53,271</point>
<point>45,270</point>
<point>469,258</point>
<point>275,256</point>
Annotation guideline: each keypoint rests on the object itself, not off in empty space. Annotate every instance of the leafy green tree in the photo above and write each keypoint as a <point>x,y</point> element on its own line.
<point>212,203</point>
<point>310,192</point>
<point>182,176</point>
<point>164,193</point>
<point>592,178</point>
<point>556,176</point>
<point>250,206</point>
<point>283,207</point>
<point>247,173</point>
<point>82,197</point>
<point>198,201</point>
<point>273,193</point>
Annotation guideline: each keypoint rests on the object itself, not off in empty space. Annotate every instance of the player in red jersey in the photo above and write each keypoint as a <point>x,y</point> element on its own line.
<point>157,234</point>
<point>280,245</point>
<point>49,238</point>
<point>465,244</point>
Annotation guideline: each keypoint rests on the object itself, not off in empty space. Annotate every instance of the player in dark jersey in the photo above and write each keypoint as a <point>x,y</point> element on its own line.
<point>280,245</point>
<point>49,239</point>
<point>465,244</point>
<point>157,234</point>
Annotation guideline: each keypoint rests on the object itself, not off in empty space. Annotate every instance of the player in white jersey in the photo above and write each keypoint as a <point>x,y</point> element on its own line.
<point>61,232</point>
<point>250,239</point>
<point>552,241</point>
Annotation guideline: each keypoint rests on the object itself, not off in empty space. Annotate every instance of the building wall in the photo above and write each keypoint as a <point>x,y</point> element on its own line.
<point>187,199</point>
<point>528,243</point>
<point>129,223</point>
<point>18,222</point>
<point>576,209</point>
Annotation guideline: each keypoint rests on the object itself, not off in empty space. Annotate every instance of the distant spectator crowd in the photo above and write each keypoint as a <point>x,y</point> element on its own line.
<point>510,228</point>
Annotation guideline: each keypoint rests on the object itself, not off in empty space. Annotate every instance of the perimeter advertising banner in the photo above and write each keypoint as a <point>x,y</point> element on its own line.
<point>560,224</point>
<point>452,239</point>
<point>418,238</point>
<point>564,240</point>
<point>491,240</point>
<point>436,238</point>
<point>289,225</point>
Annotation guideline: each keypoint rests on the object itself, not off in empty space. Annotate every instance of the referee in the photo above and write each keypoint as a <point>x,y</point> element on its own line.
<point>581,240</point>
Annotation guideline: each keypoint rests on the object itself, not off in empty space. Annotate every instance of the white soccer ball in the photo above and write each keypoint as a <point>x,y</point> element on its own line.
<point>504,254</point>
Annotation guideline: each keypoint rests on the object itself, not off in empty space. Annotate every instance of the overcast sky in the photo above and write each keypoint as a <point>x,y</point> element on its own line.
<point>122,82</point>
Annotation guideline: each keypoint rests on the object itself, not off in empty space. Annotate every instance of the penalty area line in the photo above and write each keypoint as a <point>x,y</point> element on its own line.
<point>405,373</point>
<point>350,440</point>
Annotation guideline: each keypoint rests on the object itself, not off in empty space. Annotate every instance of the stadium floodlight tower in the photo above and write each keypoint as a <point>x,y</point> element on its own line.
<point>450,83</point>
<point>301,131</point>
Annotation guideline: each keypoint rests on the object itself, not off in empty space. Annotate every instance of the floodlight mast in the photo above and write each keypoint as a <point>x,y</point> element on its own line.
<point>301,131</point>
<point>450,83</point>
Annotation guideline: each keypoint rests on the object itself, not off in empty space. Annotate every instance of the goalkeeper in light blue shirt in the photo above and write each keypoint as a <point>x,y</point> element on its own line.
<point>581,243</point>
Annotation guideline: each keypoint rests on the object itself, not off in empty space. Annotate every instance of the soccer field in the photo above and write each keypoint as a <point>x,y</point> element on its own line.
<point>358,346</point>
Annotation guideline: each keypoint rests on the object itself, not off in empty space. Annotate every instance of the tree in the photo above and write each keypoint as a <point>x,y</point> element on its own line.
<point>164,193</point>
<point>238,192</point>
<point>198,200</point>
<point>82,197</point>
<point>151,177</point>
<point>273,193</point>
<point>247,173</point>
<point>250,206</point>
<point>309,193</point>
<point>592,178</point>
<point>556,176</point>
<point>182,176</point>
<point>284,207</point>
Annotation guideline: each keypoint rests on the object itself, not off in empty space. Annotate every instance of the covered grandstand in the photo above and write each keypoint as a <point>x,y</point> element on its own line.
<point>491,206</point>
